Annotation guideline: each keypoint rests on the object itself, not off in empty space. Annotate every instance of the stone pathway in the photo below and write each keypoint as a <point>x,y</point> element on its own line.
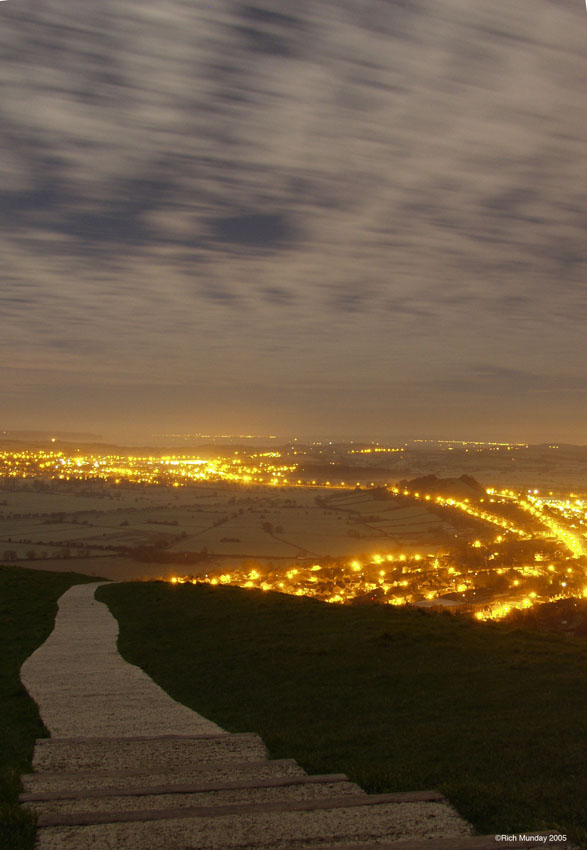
<point>84,688</point>
<point>128,768</point>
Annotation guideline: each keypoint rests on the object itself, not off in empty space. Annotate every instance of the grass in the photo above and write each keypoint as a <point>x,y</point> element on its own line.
<point>494,717</point>
<point>28,604</point>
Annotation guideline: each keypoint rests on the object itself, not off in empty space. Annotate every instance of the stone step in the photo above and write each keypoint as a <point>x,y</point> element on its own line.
<point>174,787</point>
<point>474,842</point>
<point>206,772</point>
<point>179,797</point>
<point>266,826</point>
<point>333,802</point>
<point>169,752</point>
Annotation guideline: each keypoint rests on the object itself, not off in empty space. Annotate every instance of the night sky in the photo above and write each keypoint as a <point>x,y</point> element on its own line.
<point>343,217</point>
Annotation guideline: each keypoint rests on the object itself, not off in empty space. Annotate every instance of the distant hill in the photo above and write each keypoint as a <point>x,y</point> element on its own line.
<point>73,436</point>
<point>464,487</point>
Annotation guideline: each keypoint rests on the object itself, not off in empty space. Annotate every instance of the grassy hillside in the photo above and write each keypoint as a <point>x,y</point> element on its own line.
<point>28,604</point>
<point>494,717</point>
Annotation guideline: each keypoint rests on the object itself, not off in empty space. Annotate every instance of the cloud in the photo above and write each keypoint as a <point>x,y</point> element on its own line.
<point>254,230</point>
<point>277,296</point>
<point>355,184</point>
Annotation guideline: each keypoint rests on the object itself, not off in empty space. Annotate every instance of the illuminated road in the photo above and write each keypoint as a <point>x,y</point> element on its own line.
<point>574,542</point>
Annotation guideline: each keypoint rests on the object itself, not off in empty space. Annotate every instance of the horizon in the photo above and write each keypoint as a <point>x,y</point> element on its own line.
<point>195,440</point>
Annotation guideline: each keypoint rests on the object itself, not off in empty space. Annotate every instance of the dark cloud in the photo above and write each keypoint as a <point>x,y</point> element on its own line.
<point>219,295</point>
<point>567,255</point>
<point>277,296</point>
<point>349,302</point>
<point>256,230</point>
<point>514,302</point>
<point>508,202</point>
<point>260,40</point>
<point>402,306</point>
<point>121,219</point>
<point>263,15</point>
<point>73,346</point>
<point>37,202</point>
<point>393,17</point>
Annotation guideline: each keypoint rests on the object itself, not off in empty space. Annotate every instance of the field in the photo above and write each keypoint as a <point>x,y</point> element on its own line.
<point>494,717</point>
<point>234,522</point>
<point>390,521</point>
<point>28,604</point>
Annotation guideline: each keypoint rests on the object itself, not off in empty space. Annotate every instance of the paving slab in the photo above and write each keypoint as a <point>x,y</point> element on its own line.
<point>141,790</point>
<point>258,830</point>
<point>194,799</point>
<point>517,841</point>
<point>333,802</point>
<point>84,688</point>
<point>169,752</point>
<point>209,772</point>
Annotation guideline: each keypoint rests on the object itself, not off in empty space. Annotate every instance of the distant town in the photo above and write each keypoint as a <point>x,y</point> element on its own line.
<point>484,529</point>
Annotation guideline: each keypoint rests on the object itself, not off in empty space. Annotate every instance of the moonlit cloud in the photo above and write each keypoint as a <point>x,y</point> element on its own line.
<point>342,215</point>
